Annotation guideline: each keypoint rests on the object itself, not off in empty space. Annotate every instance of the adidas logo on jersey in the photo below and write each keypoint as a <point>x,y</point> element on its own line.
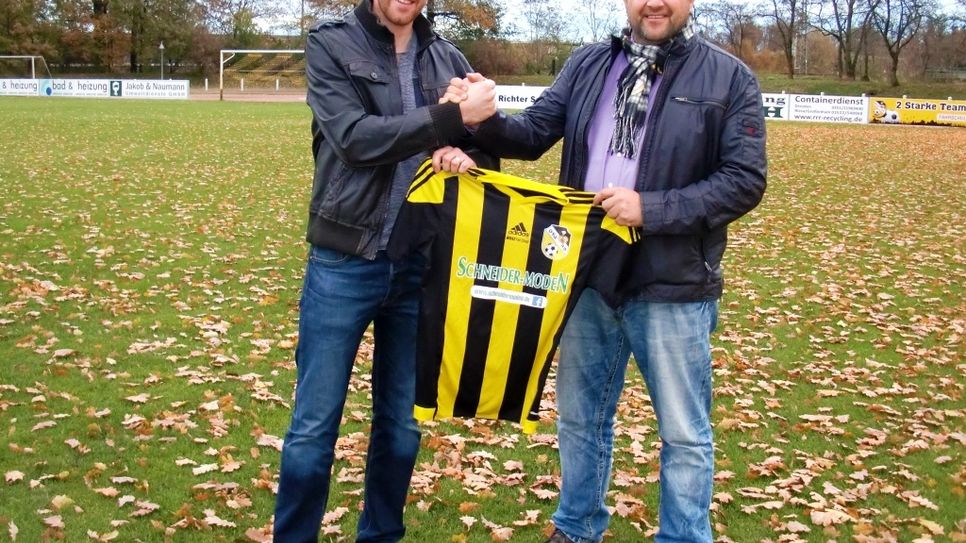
<point>518,232</point>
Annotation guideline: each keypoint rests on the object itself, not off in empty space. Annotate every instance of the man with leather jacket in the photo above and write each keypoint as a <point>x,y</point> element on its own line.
<point>668,130</point>
<point>374,78</point>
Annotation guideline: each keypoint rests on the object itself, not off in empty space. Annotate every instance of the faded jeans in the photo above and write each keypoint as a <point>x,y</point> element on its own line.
<point>671,344</point>
<point>342,295</point>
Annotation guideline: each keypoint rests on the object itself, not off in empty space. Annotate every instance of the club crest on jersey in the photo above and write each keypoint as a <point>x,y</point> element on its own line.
<point>556,242</point>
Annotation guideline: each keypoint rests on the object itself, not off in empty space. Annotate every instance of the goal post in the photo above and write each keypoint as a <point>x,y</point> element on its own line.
<point>261,69</point>
<point>24,66</point>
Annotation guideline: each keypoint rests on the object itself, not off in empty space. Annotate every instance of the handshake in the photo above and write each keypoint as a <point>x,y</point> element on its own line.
<point>476,96</point>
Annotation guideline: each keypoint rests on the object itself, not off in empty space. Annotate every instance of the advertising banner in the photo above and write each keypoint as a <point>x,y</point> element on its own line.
<point>85,88</point>
<point>776,106</point>
<point>168,89</point>
<point>829,109</point>
<point>516,97</point>
<point>916,111</point>
<point>96,88</point>
<point>19,87</point>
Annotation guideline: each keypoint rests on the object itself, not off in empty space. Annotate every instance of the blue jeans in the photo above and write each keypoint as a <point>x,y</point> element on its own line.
<point>671,344</point>
<point>342,295</point>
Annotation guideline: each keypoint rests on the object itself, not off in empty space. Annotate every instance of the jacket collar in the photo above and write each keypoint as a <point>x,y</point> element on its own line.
<point>421,27</point>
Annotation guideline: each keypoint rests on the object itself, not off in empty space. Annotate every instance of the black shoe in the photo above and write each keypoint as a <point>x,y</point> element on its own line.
<point>559,537</point>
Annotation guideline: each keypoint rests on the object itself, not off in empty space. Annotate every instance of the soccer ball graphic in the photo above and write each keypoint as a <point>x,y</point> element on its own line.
<point>883,115</point>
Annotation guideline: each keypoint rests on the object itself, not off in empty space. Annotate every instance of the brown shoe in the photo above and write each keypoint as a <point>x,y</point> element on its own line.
<point>559,537</point>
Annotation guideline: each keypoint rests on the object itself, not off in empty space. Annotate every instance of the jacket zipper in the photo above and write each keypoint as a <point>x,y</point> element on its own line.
<point>393,68</point>
<point>581,167</point>
<point>699,102</point>
<point>662,91</point>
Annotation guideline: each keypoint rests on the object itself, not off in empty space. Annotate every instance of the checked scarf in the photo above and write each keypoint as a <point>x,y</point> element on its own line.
<point>644,62</point>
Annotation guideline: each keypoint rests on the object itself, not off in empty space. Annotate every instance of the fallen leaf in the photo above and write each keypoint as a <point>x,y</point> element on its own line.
<point>59,502</point>
<point>204,468</point>
<point>829,517</point>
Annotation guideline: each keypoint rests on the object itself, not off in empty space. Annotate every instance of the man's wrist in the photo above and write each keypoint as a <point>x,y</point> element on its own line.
<point>447,121</point>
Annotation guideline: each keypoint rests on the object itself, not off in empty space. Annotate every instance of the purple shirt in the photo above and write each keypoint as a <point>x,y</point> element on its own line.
<point>606,169</point>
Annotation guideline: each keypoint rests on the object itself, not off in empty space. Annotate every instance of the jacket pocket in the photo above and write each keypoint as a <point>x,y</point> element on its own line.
<point>369,72</point>
<point>673,260</point>
<point>692,123</point>
<point>372,82</point>
<point>334,186</point>
<point>699,101</point>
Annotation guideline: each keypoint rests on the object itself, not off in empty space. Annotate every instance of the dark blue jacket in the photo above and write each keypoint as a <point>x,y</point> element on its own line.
<point>702,162</point>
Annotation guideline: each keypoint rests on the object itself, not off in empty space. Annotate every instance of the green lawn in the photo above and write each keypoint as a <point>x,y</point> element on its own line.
<point>151,256</point>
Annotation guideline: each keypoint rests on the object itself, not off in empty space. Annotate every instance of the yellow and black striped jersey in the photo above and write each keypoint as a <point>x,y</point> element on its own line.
<point>508,258</point>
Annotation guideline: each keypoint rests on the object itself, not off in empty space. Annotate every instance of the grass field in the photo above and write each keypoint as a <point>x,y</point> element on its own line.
<point>150,264</point>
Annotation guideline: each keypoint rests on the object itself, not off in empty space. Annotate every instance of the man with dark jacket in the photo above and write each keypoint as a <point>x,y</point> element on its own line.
<point>668,130</point>
<point>374,79</point>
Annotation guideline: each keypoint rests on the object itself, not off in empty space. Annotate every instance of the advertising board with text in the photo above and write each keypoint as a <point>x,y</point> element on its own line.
<point>917,111</point>
<point>168,89</point>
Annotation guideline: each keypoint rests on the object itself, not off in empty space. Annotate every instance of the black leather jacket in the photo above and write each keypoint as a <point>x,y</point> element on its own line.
<point>702,162</point>
<point>359,131</point>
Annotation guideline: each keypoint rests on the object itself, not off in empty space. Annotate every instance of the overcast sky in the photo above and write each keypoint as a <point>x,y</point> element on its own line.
<point>572,11</point>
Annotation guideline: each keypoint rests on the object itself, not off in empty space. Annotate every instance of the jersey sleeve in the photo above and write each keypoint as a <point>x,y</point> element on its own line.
<point>415,225</point>
<point>627,234</point>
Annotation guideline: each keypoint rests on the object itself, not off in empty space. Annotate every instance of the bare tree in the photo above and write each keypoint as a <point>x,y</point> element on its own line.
<point>940,47</point>
<point>733,21</point>
<point>544,20</point>
<point>960,16</point>
<point>845,21</point>
<point>545,33</point>
<point>787,17</point>
<point>897,21</point>
<point>602,17</point>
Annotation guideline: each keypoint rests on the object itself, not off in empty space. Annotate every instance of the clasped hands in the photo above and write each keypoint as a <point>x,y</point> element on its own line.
<point>476,96</point>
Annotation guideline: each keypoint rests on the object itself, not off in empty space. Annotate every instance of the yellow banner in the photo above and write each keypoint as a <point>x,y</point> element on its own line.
<point>916,111</point>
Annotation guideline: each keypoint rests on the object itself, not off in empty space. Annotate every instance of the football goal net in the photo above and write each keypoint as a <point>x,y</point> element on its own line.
<point>23,67</point>
<point>260,70</point>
